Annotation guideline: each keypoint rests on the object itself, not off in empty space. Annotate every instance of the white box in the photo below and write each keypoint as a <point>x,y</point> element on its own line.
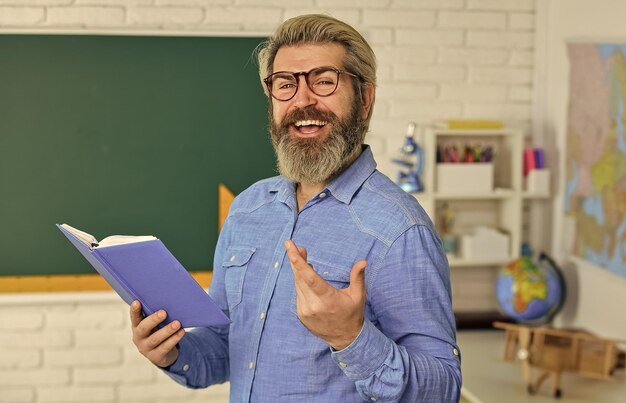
<point>485,243</point>
<point>465,177</point>
<point>538,182</point>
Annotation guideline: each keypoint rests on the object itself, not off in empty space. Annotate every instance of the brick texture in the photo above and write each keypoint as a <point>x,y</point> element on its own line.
<point>77,394</point>
<point>21,319</point>
<point>430,37</point>
<point>472,20</point>
<point>48,3</point>
<point>18,17</point>
<point>88,16</point>
<point>428,4</point>
<point>20,358</point>
<point>169,15</point>
<point>17,395</point>
<point>407,19</point>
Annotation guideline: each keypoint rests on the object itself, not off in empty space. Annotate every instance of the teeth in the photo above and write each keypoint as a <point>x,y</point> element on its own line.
<point>310,123</point>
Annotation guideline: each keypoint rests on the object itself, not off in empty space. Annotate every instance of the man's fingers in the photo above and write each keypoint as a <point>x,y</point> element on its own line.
<point>293,252</point>
<point>295,255</point>
<point>157,346</point>
<point>170,343</point>
<point>306,279</point>
<point>135,313</point>
<point>303,253</point>
<point>147,325</point>
<point>357,277</point>
<point>160,339</point>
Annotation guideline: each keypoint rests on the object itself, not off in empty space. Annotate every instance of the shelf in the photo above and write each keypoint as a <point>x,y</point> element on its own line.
<point>526,195</point>
<point>496,194</point>
<point>459,262</point>
<point>473,133</point>
<point>505,194</point>
<point>461,197</point>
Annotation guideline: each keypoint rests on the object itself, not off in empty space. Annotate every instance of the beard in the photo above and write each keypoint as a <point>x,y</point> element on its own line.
<point>316,160</point>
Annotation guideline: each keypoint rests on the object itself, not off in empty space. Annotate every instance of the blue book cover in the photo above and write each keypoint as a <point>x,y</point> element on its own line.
<point>143,269</point>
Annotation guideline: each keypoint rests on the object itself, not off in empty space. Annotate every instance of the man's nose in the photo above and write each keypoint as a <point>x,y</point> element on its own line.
<point>304,96</point>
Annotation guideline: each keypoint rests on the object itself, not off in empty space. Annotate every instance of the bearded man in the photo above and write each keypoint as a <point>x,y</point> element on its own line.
<point>334,278</point>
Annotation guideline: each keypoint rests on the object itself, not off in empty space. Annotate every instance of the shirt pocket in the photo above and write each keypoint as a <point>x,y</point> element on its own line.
<point>338,277</point>
<point>235,265</point>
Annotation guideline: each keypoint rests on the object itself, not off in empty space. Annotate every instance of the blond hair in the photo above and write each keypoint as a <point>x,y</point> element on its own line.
<point>319,28</point>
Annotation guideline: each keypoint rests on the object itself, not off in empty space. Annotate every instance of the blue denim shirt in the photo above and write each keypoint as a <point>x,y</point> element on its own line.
<point>406,350</point>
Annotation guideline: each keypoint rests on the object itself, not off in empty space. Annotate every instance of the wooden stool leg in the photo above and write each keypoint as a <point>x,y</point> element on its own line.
<point>555,378</point>
<point>523,353</point>
<point>532,389</point>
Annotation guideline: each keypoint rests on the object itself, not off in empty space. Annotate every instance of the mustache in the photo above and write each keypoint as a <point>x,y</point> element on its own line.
<point>308,113</point>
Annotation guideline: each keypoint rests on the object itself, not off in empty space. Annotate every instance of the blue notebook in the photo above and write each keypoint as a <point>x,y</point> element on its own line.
<point>142,268</point>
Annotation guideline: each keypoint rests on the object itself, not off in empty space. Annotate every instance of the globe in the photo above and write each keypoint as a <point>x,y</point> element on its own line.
<point>531,293</point>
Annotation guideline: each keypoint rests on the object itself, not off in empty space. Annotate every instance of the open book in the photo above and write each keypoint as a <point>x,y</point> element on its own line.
<point>92,242</point>
<point>142,268</point>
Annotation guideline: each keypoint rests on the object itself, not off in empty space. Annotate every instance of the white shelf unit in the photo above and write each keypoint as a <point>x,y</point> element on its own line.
<point>499,199</point>
<point>500,207</point>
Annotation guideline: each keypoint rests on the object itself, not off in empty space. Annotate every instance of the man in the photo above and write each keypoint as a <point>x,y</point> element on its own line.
<point>333,277</point>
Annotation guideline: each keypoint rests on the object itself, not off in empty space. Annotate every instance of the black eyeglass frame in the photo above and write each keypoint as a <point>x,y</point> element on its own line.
<point>268,80</point>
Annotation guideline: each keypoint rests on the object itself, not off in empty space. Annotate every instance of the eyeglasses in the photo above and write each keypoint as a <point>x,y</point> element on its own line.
<point>323,81</point>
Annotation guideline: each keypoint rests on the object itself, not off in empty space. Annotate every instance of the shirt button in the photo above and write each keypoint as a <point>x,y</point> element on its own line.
<point>262,315</point>
<point>373,398</point>
<point>276,264</point>
<point>250,365</point>
<point>186,367</point>
<point>455,351</point>
<point>343,364</point>
<point>232,258</point>
<point>322,195</point>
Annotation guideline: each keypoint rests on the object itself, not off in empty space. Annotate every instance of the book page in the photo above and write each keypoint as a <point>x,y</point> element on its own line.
<point>112,240</point>
<point>84,237</point>
<point>123,239</point>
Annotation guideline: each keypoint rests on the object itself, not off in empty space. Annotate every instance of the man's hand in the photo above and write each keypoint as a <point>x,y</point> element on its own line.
<point>158,346</point>
<point>335,316</point>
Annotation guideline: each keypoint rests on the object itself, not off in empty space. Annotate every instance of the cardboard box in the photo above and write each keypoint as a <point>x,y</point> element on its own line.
<point>465,177</point>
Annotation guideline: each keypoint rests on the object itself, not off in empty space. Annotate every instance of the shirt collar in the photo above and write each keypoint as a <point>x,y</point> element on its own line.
<point>283,188</point>
<point>342,187</point>
<point>352,178</point>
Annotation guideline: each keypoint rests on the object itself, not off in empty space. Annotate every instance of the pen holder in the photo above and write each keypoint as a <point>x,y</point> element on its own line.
<point>465,177</point>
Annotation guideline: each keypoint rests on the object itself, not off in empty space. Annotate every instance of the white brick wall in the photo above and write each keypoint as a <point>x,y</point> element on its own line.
<point>13,16</point>
<point>76,347</point>
<point>87,16</point>
<point>437,59</point>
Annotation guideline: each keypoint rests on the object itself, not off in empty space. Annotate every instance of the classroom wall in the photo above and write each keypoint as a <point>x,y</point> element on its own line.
<point>76,347</point>
<point>595,297</point>
<point>437,59</point>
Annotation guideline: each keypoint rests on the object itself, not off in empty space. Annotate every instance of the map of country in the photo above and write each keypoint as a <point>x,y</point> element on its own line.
<point>595,189</point>
<point>529,283</point>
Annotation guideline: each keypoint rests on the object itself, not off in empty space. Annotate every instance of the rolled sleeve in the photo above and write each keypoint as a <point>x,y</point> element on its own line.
<point>365,355</point>
<point>202,358</point>
<point>180,369</point>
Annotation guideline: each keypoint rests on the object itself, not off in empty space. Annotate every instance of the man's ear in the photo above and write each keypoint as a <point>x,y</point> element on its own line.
<point>368,93</point>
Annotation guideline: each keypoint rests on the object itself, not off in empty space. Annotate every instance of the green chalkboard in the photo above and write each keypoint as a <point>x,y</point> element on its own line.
<point>123,135</point>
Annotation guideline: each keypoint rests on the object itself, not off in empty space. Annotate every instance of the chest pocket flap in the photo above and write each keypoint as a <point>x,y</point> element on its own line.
<point>235,265</point>
<point>238,256</point>
<point>338,277</point>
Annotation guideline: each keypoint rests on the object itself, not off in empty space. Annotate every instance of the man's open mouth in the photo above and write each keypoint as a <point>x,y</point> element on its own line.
<point>309,126</point>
